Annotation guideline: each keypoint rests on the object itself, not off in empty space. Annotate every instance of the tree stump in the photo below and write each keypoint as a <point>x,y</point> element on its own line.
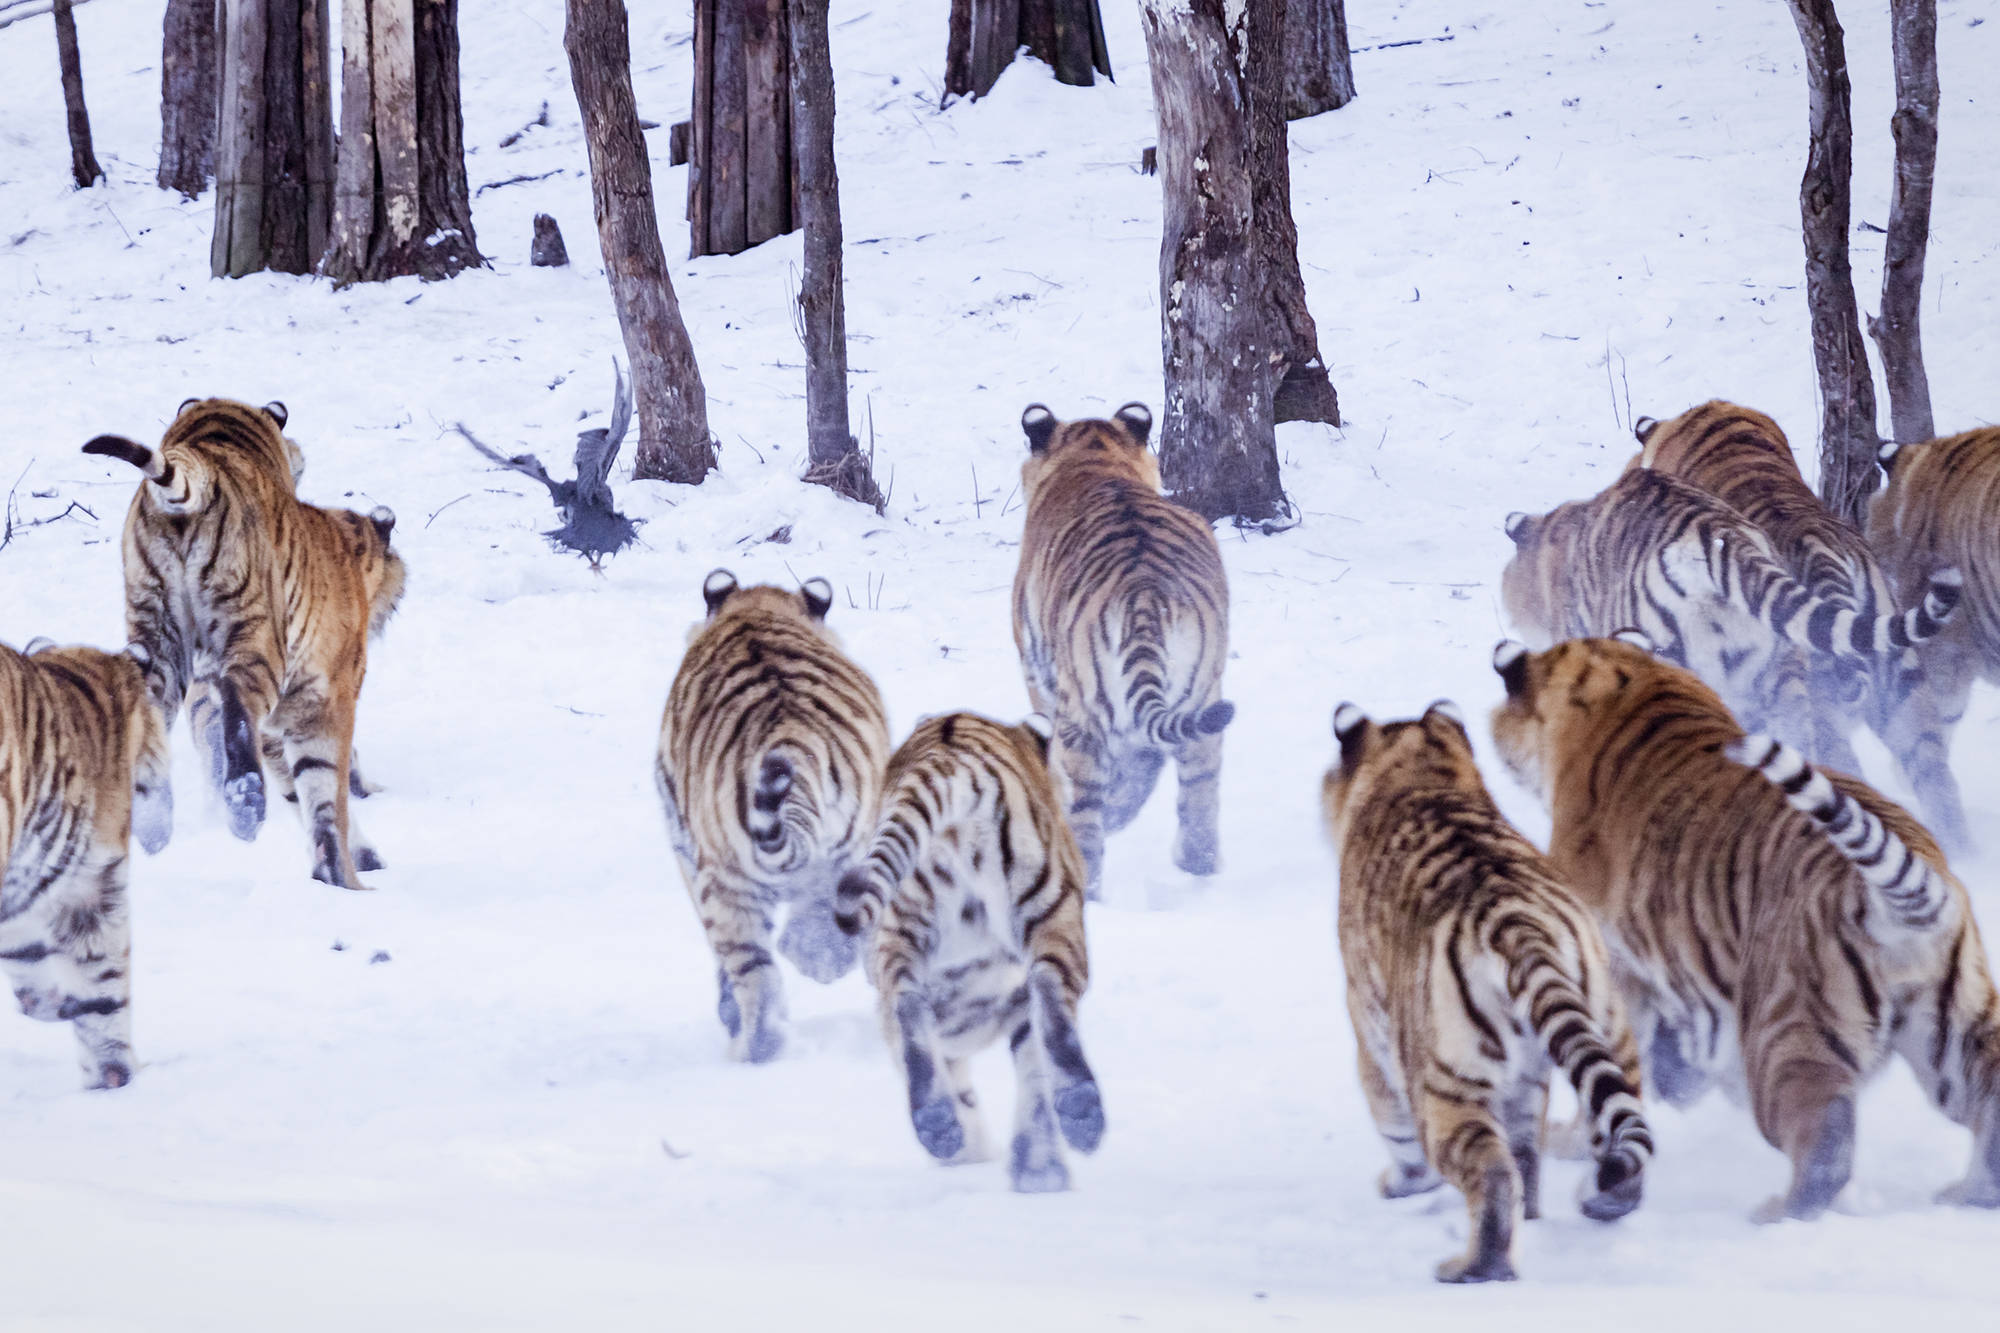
<point>82,157</point>
<point>742,181</point>
<point>984,35</point>
<point>548,250</point>
<point>1319,68</point>
<point>187,97</point>
<point>274,137</point>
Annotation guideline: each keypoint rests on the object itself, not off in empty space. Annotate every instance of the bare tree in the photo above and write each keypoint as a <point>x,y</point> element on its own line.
<point>187,97</point>
<point>82,158</point>
<point>674,443</point>
<point>984,35</point>
<point>400,202</point>
<point>742,180</point>
<point>274,140</point>
<point>1303,391</point>
<point>1319,68</point>
<point>1898,334</point>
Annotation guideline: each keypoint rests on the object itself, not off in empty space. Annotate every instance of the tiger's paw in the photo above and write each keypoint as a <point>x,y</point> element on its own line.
<point>243,795</point>
<point>1488,1268</point>
<point>1034,1167</point>
<point>1398,1183</point>
<point>936,1123</point>
<point>1080,1112</point>
<point>759,1047</point>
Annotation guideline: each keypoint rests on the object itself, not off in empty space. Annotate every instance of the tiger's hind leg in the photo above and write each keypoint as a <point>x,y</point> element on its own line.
<point>1807,1112</point>
<point>1409,1171</point>
<point>933,1101</point>
<point>68,957</point>
<point>1086,767</point>
<point>1079,1107</point>
<point>738,924</point>
<point>1135,777</point>
<point>1199,765</point>
<point>1952,1040</point>
<point>317,731</point>
<point>1471,1150</point>
<point>1034,1158</point>
<point>1526,1117</point>
<point>958,1077</point>
<point>1917,726</point>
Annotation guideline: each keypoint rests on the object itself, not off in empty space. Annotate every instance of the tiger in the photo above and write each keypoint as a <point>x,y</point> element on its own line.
<point>1741,457</point>
<point>771,755</point>
<point>1775,931</point>
<point>83,768</point>
<point>1121,616</point>
<point>972,895</point>
<point>262,605</point>
<point>1472,970</point>
<point>1657,553</point>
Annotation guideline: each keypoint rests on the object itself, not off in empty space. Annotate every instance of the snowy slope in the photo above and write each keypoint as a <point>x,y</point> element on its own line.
<point>523,1117</point>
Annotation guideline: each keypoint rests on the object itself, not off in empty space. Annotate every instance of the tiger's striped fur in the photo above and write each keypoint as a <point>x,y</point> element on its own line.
<point>1471,972</point>
<point>973,889</point>
<point>1743,459</point>
<point>1121,615</point>
<point>770,766</point>
<point>83,765</point>
<point>1658,554</point>
<point>251,598</point>
<point>1751,949</point>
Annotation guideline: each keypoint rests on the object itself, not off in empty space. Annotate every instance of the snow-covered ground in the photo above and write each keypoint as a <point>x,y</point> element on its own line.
<point>1569,212</point>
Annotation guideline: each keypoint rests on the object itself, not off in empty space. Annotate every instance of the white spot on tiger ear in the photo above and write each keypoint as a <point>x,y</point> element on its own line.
<point>384,519</point>
<point>278,413</point>
<point>716,588</point>
<point>1137,418</point>
<point>1637,638</point>
<point>1507,652</point>
<point>1887,453</point>
<point>1517,523</point>
<point>139,653</point>
<point>186,403</point>
<point>1644,427</point>
<point>1346,720</point>
<point>819,597</point>
<point>1445,708</point>
<point>1039,724</point>
<point>36,644</point>
<point>1038,424</point>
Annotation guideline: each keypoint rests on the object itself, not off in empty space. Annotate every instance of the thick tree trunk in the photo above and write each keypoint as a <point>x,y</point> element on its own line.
<point>1218,448</point>
<point>82,158</point>
<point>402,206</point>
<point>187,97</point>
<point>1301,388</point>
<point>1319,69</point>
<point>742,179</point>
<point>273,161</point>
<point>1847,441</point>
<point>984,35</point>
<point>674,443</point>
<point>822,305</point>
<point>1898,333</point>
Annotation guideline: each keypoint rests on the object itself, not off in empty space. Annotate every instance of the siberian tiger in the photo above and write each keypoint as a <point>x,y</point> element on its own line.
<point>973,889</point>
<point>1471,972</point>
<point>251,597</point>
<point>1121,616</point>
<point>1659,554</point>
<point>770,770</point>
<point>83,766</point>
<point>1752,948</point>
<point>1743,459</point>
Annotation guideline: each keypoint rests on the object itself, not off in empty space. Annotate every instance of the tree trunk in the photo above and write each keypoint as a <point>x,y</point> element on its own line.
<point>1301,389</point>
<point>984,35</point>
<point>822,305</point>
<point>742,180</point>
<point>401,206</point>
<point>1319,69</point>
<point>82,159</point>
<point>273,159</point>
<point>674,443</point>
<point>1847,441</point>
<point>1218,448</point>
<point>1898,334</point>
<point>187,97</point>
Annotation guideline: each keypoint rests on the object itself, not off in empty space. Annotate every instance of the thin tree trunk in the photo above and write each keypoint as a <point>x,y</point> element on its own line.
<point>822,304</point>
<point>238,245</point>
<point>273,180</point>
<point>187,97</point>
<point>1898,334</point>
<point>1319,69</point>
<point>984,35</point>
<point>82,158</point>
<point>1218,447</point>
<point>674,442</point>
<point>1848,440</point>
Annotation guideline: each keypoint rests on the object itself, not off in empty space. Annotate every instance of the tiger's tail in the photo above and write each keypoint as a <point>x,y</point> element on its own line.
<point>1144,665</point>
<point>177,489</point>
<point>912,812</point>
<point>1908,889</point>
<point>783,814</point>
<point>1827,625</point>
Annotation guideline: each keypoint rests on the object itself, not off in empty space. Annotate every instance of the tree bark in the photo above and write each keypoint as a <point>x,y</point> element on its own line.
<point>822,304</point>
<point>1848,440</point>
<point>1319,69</point>
<point>674,442</point>
<point>187,97</point>
<point>1218,447</point>
<point>401,206</point>
<point>1301,388</point>
<point>742,179</point>
<point>984,35</point>
<point>1898,334</point>
<point>82,158</point>
<point>274,133</point>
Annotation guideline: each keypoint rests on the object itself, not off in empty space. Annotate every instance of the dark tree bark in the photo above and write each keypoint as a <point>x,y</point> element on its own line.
<point>742,179</point>
<point>984,35</point>
<point>401,206</point>
<point>674,442</point>
<point>1302,390</point>
<point>1847,441</point>
<point>82,158</point>
<point>1218,447</point>
<point>187,97</point>
<point>1319,69</point>
<point>273,153</point>
<point>1898,334</point>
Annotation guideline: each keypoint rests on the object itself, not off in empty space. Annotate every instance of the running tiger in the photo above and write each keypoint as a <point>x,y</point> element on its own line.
<point>974,891</point>
<point>83,766</point>
<point>1743,459</point>
<point>262,605</point>
<point>1754,949</point>
<point>1657,553</point>
<point>1121,616</point>
<point>770,770</point>
<point>1471,973</point>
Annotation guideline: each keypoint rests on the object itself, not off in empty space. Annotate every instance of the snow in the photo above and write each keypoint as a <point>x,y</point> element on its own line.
<point>522,1117</point>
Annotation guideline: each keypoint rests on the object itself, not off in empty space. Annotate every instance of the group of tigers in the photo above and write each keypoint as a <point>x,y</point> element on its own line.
<point>1712,908</point>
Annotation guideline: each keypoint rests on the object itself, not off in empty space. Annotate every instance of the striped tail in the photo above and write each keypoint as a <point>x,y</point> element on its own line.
<point>783,817</point>
<point>177,491</point>
<point>923,801</point>
<point>1909,890</point>
<point>1796,612</point>
<point>1145,673</point>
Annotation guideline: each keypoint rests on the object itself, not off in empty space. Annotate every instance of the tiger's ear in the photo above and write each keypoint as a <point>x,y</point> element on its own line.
<point>1637,638</point>
<point>1043,730</point>
<point>1510,660</point>
<point>36,644</point>
<point>1136,418</point>
<point>1887,455</point>
<point>384,519</point>
<point>186,403</point>
<point>818,596</point>
<point>141,654</point>
<point>276,411</point>
<point>715,589</point>
<point>1350,728</point>
<point>1447,710</point>
<point>1643,428</point>
<point>1517,526</point>
<point>1038,424</point>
